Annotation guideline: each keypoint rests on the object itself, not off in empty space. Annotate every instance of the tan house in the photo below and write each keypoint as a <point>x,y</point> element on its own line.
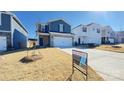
<point>32,42</point>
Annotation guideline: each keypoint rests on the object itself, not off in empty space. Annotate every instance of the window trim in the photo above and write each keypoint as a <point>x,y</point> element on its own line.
<point>98,30</point>
<point>84,29</point>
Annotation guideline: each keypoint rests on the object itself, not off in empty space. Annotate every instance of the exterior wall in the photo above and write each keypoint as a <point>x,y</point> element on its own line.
<point>21,33</point>
<point>80,34</point>
<point>8,35</point>
<point>54,26</point>
<point>19,40</point>
<point>120,37</point>
<point>93,36</point>
<point>5,23</point>
<point>5,28</point>
<point>90,36</point>
<point>108,35</point>
<point>46,40</point>
<point>12,29</point>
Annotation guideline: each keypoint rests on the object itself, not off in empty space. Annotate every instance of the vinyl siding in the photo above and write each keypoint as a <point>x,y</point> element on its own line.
<point>55,26</point>
<point>5,22</point>
<point>19,40</point>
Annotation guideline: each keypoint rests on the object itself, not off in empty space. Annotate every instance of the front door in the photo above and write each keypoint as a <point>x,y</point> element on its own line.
<point>41,41</point>
<point>79,41</point>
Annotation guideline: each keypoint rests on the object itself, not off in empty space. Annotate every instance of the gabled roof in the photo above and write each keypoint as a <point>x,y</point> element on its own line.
<point>92,24</point>
<point>59,19</point>
<point>77,26</point>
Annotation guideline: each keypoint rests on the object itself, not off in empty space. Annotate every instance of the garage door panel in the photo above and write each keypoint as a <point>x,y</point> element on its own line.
<point>3,43</point>
<point>62,42</point>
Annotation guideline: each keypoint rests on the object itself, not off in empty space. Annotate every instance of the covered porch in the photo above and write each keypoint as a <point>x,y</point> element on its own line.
<point>44,40</point>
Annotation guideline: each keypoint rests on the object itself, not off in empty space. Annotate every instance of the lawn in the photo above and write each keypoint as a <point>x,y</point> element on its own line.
<point>118,48</point>
<point>54,65</point>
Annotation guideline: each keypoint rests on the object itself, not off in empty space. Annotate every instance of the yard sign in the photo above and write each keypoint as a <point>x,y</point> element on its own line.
<point>80,60</point>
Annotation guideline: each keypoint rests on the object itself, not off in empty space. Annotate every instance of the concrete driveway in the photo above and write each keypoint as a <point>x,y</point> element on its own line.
<point>109,65</point>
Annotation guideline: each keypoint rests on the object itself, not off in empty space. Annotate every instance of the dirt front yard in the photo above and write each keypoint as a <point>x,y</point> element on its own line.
<point>54,65</point>
<point>114,48</point>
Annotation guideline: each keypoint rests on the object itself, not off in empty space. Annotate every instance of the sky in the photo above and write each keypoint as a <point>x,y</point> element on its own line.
<point>111,18</point>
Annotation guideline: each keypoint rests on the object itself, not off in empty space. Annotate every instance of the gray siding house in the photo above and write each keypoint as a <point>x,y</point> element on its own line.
<point>13,34</point>
<point>55,33</point>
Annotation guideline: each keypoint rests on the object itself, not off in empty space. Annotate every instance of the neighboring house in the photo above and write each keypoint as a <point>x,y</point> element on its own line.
<point>55,33</point>
<point>107,35</point>
<point>120,37</point>
<point>87,34</point>
<point>13,34</point>
<point>32,42</point>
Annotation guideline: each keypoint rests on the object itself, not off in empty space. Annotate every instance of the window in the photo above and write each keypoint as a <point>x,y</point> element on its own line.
<point>43,28</point>
<point>84,29</point>
<point>98,30</point>
<point>93,29</point>
<point>61,27</point>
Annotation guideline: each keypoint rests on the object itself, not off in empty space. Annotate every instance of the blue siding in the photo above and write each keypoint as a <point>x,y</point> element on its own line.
<point>19,40</point>
<point>54,26</point>
<point>5,22</point>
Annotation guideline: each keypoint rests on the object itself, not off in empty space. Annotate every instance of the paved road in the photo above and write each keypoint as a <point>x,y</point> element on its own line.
<point>110,65</point>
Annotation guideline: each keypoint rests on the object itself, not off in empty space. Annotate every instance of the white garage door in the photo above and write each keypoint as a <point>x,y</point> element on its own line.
<point>3,43</point>
<point>62,42</point>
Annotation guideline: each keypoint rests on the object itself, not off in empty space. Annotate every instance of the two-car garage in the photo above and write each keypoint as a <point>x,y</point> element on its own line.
<point>62,41</point>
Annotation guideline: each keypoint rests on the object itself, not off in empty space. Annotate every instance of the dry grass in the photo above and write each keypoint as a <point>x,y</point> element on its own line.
<point>110,48</point>
<point>54,65</point>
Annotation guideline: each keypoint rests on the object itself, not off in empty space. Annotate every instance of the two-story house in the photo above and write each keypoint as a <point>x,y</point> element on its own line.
<point>119,36</point>
<point>55,33</point>
<point>87,34</point>
<point>13,34</point>
<point>107,35</point>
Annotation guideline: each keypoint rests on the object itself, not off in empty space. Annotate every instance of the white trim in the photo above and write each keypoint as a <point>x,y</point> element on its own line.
<point>62,34</point>
<point>12,31</point>
<point>43,33</point>
<point>4,31</point>
<point>61,27</point>
<point>13,15</point>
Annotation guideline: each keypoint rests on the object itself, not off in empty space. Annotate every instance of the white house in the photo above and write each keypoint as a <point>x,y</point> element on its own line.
<point>107,35</point>
<point>13,34</point>
<point>87,34</point>
<point>120,37</point>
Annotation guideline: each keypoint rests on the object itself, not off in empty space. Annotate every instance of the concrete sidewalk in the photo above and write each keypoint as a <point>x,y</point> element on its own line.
<point>110,65</point>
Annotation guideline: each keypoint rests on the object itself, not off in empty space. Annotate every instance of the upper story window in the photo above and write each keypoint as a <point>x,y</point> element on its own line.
<point>98,30</point>
<point>84,29</point>
<point>61,27</point>
<point>43,28</point>
<point>93,29</point>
